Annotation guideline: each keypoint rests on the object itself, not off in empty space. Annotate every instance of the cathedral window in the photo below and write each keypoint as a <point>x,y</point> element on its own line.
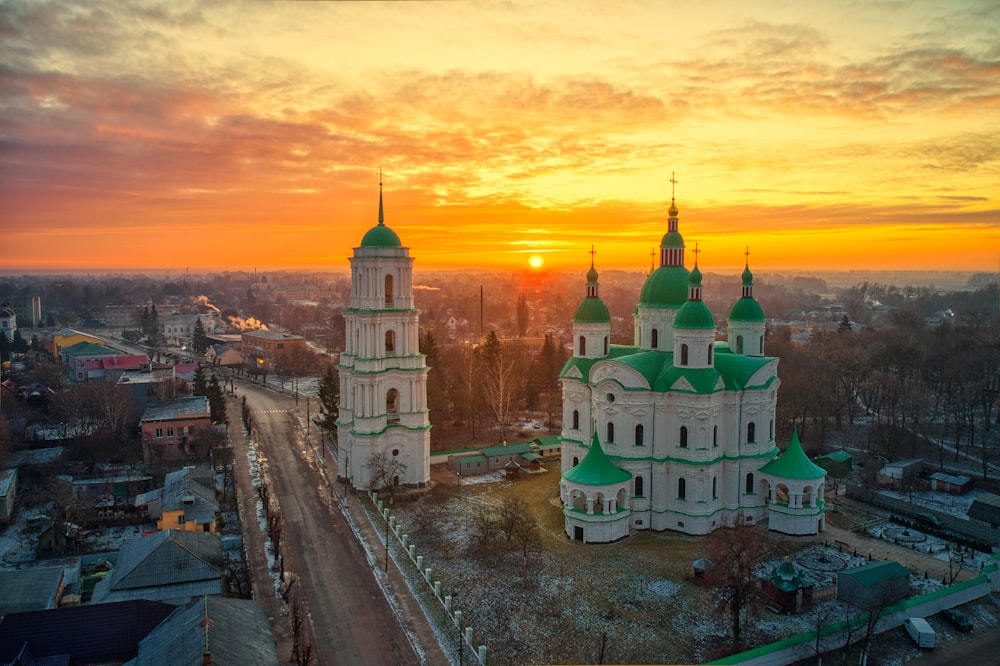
<point>390,341</point>
<point>606,346</point>
<point>710,354</point>
<point>681,489</point>
<point>576,461</point>
<point>638,486</point>
<point>684,437</point>
<point>638,435</point>
<point>761,344</point>
<point>583,346</point>
<point>392,405</point>
<point>655,340</point>
<point>715,487</point>
<point>739,344</point>
<point>751,432</point>
<point>715,435</point>
<point>749,487</point>
<point>770,430</point>
<point>611,432</point>
<point>388,291</point>
<point>684,354</point>
<point>576,419</point>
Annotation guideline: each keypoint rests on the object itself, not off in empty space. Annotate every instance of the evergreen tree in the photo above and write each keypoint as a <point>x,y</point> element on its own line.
<point>18,345</point>
<point>523,316</point>
<point>437,400</point>
<point>36,344</point>
<point>216,400</point>
<point>199,340</point>
<point>845,325</point>
<point>4,348</point>
<point>328,392</point>
<point>200,384</point>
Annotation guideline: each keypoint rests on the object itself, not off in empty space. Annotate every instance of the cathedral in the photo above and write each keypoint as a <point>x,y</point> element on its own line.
<point>676,432</point>
<point>383,375</point>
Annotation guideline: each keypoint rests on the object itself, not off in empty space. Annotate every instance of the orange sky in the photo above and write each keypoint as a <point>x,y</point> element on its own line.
<point>202,136</point>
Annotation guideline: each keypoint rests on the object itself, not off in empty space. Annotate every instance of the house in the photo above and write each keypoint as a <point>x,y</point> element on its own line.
<point>223,355</point>
<point>31,589</point>
<point>174,566</point>
<point>986,508</point>
<point>900,474</point>
<point>55,342</point>
<point>211,630</point>
<point>494,458</point>
<point>787,590</point>
<point>88,634</point>
<point>263,350</point>
<point>953,484</point>
<point>106,491</point>
<point>87,361</point>
<point>176,431</point>
<point>8,491</point>
<point>877,584</point>
<point>185,502</point>
<point>181,326</point>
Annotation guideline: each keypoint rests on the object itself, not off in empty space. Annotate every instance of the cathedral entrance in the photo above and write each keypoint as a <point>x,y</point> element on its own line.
<point>578,533</point>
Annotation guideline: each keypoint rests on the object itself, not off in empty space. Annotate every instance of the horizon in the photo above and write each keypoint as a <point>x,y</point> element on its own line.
<point>232,134</point>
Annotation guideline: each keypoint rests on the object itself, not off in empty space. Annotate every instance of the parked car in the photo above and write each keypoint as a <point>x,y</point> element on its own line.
<point>921,632</point>
<point>958,618</point>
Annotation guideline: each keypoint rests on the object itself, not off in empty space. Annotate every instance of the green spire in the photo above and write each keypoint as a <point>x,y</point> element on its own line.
<point>794,463</point>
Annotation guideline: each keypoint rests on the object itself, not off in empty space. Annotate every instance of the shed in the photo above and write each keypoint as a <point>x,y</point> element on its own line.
<point>787,590</point>
<point>986,508</point>
<point>836,463</point>
<point>951,483</point>
<point>8,490</point>
<point>469,464</point>
<point>900,473</point>
<point>702,568</point>
<point>879,583</point>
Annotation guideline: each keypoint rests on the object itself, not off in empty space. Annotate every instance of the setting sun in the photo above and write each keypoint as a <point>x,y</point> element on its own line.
<point>536,261</point>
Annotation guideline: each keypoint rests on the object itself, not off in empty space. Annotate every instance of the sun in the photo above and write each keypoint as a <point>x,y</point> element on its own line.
<point>536,261</point>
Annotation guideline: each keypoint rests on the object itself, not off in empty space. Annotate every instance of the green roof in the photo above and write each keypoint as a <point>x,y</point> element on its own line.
<point>596,469</point>
<point>837,456</point>
<point>88,349</point>
<point>507,450</point>
<point>694,314</point>
<point>672,239</point>
<point>876,572</point>
<point>747,309</point>
<point>380,236</point>
<point>787,578</point>
<point>794,463</point>
<point>592,310</point>
<point>666,287</point>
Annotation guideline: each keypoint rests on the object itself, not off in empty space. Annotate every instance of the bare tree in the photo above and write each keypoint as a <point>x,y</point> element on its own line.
<point>735,552</point>
<point>502,387</point>
<point>384,472</point>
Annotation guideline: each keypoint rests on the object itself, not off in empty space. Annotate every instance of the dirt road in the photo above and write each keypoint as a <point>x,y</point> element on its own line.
<point>346,616</point>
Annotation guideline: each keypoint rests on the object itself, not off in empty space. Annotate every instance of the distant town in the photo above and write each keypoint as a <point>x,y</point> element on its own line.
<point>523,466</point>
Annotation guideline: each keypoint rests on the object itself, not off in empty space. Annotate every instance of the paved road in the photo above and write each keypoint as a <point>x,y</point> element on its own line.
<point>346,612</point>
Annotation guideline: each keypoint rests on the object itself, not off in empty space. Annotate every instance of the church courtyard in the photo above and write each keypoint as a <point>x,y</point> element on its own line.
<point>633,601</point>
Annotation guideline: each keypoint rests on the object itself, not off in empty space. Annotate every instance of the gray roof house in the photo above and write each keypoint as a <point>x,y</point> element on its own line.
<point>31,589</point>
<point>210,630</point>
<point>190,490</point>
<point>879,583</point>
<point>173,566</point>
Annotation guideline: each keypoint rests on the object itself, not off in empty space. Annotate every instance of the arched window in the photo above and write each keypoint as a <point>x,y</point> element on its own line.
<point>611,432</point>
<point>606,346</point>
<point>388,291</point>
<point>751,432</point>
<point>710,354</point>
<point>684,437</point>
<point>576,461</point>
<point>770,430</point>
<point>762,344</point>
<point>739,344</point>
<point>392,405</point>
<point>638,486</point>
<point>655,339</point>
<point>715,487</point>
<point>583,346</point>
<point>749,487</point>
<point>390,341</point>
<point>576,419</point>
<point>638,435</point>
<point>681,488</point>
<point>715,435</point>
<point>684,354</point>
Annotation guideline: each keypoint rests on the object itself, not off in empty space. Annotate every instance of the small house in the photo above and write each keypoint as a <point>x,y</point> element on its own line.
<point>900,474</point>
<point>787,590</point>
<point>878,584</point>
<point>953,484</point>
<point>986,508</point>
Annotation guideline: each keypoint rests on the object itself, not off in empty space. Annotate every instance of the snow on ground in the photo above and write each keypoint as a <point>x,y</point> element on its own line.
<point>956,505</point>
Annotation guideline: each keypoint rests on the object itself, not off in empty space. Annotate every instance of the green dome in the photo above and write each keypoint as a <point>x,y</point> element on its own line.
<point>596,469</point>
<point>672,239</point>
<point>794,463</point>
<point>592,310</point>
<point>747,276</point>
<point>694,314</point>
<point>747,309</point>
<point>666,287</point>
<point>592,276</point>
<point>380,236</point>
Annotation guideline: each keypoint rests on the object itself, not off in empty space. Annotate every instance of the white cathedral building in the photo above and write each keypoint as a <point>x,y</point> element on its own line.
<point>383,375</point>
<point>676,432</point>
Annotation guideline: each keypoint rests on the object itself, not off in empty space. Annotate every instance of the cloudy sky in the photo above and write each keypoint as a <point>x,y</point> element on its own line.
<point>207,135</point>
